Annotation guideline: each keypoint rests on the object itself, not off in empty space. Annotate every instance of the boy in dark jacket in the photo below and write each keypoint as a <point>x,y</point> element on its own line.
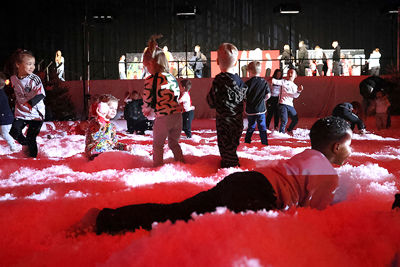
<point>345,111</point>
<point>6,115</point>
<point>226,95</point>
<point>136,121</point>
<point>257,93</point>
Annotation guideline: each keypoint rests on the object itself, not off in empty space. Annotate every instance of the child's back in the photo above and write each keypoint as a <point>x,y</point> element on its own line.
<point>256,93</point>
<point>226,95</point>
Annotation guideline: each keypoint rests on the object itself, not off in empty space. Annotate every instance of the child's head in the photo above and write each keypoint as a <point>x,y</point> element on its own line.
<point>379,94</point>
<point>186,84</point>
<point>332,137</point>
<point>356,107</point>
<point>254,68</point>
<point>277,74</point>
<point>227,56</point>
<point>154,58</point>
<point>24,63</point>
<point>135,95</point>
<point>286,47</point>
<point>106,106</point>
<point>3,79</point>
<point>292,74</point>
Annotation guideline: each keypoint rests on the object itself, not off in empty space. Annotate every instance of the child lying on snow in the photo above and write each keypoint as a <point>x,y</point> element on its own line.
<point>101,134</point>
<point>306,180</point>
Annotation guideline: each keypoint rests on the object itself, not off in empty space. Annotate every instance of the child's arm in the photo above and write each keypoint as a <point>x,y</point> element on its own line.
<point>147,97</point>
<point>34,96</point>
<point>212,96</point>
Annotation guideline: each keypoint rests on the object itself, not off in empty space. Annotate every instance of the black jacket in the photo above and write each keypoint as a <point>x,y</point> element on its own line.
<point>336,54</point>
<point>303,56</point>
<point>255,98</point>
<point>344,111</point>
<point>133,110</point>
<point>227,94</point>
<point>6,116</point>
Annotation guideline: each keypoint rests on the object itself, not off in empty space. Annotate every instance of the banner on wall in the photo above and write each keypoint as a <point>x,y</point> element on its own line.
<point>177,65</point>
<point>268,58</point>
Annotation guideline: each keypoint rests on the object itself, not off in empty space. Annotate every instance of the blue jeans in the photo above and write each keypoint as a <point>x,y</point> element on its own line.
<point>187,118</point>
<point>286,111</point>
<point>260,121</point>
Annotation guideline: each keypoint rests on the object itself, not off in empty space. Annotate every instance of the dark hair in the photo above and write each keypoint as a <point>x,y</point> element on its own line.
<point>328,130</point>
<point>185,83</point>
<point>275,75</point>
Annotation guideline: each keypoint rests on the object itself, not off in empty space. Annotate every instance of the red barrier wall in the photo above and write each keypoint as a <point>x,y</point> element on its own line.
<point>318,99</point>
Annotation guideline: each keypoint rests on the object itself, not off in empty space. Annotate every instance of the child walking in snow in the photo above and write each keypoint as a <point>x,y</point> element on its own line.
<point>160,97</point>
<point>226,95</point>
<point>188,109</point>
<point>257,93</point>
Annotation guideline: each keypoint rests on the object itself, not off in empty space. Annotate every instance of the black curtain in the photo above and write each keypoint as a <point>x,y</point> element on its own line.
<point>47,26</point>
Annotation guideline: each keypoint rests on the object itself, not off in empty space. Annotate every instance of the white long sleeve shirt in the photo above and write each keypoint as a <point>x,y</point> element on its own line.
<point>288,91</point>
<point>26,89</point>
<point>186,102</point>
<point>374,59</point>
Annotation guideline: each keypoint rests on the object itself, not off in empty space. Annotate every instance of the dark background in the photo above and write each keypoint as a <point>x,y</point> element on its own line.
<point>46,26</point>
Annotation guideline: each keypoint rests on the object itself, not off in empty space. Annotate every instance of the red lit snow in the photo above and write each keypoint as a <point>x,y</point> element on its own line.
<point>40,198</point>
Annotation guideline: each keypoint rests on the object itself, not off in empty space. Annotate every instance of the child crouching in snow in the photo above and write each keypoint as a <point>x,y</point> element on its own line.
<point>101,134</point>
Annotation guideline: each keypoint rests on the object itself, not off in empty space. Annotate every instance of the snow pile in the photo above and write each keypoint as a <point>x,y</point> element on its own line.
<point>41,198</point>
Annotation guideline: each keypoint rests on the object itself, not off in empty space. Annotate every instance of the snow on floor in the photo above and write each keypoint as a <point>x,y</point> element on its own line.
<point>40,198</point>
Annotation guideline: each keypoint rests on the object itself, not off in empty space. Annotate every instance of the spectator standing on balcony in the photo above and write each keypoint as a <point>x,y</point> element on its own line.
<point>319,55</point>
<point>121,68</point>
<point>59,59</point>
<point>373,62</point>
<point>336,69</point>
<point>286,60</point>
<point>303,59</point>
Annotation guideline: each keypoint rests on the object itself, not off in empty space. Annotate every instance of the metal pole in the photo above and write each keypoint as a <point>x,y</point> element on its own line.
<point>398,38</point>
<point>84,115</point>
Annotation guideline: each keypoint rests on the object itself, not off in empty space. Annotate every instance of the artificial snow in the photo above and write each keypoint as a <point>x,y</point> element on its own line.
<point>40,199</point>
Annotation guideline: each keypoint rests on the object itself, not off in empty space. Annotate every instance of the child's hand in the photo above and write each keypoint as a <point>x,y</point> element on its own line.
<point>152,44</point>
<point>300,89</point>
<point>102,109</point>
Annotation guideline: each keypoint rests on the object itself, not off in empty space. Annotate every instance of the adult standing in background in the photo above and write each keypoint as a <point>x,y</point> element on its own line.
<point>373,62</point>
<point>197,62</point>
<point>319,55</point>
<point>122,68</point>
<point>286,59</point>
<point>303,59</point>
<point>336,58</point>
<point>268,65</point>
<point>59,59</point>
